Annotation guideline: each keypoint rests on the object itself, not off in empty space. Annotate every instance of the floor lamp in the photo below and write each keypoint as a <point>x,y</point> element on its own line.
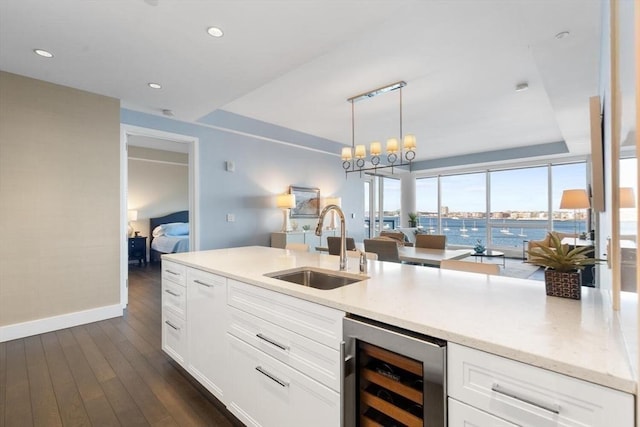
<point>575,199</point>
<point>286,202</point>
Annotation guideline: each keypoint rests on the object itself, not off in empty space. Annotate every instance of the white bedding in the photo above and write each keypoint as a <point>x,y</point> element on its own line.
<point>170,244</point>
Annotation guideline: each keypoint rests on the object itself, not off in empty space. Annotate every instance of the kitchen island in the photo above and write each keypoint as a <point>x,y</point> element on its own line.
<point>507,317</point>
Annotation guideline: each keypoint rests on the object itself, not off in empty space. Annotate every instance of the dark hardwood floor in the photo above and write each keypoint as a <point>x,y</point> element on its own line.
<point>107,373</point>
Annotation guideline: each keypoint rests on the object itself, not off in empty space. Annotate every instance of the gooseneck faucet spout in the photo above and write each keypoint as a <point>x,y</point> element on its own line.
<point>343,232</point>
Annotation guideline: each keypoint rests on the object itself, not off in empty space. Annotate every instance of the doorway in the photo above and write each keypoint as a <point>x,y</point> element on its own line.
<point>151,138</point>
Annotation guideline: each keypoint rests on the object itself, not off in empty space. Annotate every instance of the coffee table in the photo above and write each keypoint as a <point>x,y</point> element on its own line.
<point>490,253</point>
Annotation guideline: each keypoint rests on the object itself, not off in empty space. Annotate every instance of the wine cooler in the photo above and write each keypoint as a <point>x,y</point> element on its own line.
<point>392,377</point>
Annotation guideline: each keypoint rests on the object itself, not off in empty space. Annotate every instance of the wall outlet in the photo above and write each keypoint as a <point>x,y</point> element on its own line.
<point>231,218</point>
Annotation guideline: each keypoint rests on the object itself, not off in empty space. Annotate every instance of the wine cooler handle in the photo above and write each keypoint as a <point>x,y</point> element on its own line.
<point>551,407</point>
<point>342,372</point>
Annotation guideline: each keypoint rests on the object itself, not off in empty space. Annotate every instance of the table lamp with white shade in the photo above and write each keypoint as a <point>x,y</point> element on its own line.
<point>333,201</point>
<point>575,199</point>
<point>132,215</point>
<point>286,202</point>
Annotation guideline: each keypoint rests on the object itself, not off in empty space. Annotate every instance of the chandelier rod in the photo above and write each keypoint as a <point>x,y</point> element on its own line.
<point>378,91</point>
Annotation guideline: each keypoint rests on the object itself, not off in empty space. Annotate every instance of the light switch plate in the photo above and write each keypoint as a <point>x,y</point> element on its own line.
<point>231,166</point>
<point>231,218</point>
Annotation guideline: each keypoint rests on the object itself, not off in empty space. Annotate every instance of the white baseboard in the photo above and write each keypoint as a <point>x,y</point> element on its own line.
<point>41,326</point>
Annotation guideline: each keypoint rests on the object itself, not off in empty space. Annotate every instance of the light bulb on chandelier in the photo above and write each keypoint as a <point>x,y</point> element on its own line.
<point>354,157</point>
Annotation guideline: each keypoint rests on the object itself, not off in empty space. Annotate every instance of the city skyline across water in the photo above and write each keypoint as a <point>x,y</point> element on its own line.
<point>506,233</point>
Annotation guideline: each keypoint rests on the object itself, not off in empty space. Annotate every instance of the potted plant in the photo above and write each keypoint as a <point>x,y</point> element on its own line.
<point>479,247</point>
<point>562,266</point>
<point>413,219</point>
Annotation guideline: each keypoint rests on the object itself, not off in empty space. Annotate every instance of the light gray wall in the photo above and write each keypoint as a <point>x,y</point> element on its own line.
<point>158,184</point>
<point>263,169</point>
<point>59,198</point>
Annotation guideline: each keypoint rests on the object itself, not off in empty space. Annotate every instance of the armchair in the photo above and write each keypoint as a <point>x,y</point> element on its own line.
<point>546,242</point>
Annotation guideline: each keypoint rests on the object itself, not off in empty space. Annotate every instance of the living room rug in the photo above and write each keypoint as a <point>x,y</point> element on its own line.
<point>521,270</point>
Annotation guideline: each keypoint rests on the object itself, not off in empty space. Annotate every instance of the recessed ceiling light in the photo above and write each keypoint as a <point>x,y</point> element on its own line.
<point>521,87</point>
<point>155,85</point>
<point>215,32</point>
<point>562,34</point>
<point>43,53</point>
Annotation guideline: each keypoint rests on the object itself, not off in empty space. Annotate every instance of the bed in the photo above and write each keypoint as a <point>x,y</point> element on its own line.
<point>169,234</point>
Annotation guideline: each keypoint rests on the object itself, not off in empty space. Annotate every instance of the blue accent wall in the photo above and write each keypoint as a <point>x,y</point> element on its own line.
<point>264,169</point>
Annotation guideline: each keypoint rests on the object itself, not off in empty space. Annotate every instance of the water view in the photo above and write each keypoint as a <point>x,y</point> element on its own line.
<point>507,233</point>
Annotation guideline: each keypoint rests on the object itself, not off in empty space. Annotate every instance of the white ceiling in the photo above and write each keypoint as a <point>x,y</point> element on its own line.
<point>294,63</point>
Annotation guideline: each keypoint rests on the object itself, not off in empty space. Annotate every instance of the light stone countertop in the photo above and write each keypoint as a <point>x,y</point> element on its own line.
<point>509,317</point>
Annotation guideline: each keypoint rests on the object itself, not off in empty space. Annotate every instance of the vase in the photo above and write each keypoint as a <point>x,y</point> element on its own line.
<point>562,284</point>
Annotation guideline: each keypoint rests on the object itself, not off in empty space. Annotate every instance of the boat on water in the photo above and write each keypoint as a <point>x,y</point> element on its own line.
<point>521,234</point>
<point>505,229</point>
<point>475,227</point>
<point>464,235</point>
<point>463,229</point>
<point>446,227</point>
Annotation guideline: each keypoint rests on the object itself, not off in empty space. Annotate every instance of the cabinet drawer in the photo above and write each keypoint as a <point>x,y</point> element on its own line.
<point>320,362</point>
<point>531,396</point>
<point>174,336</point>
<point>265,392</point>
<point>174,297</point>
<point>314,321</point>
<point>174,272</point>
<point>461,415</point>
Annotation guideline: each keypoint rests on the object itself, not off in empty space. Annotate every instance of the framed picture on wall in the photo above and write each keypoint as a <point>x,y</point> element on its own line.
<point>307,202</point>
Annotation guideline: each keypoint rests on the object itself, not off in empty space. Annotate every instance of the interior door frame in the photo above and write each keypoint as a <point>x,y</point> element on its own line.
<point>194,193</point>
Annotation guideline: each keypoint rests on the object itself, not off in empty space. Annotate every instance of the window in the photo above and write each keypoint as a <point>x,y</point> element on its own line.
<point>463,208</point>
<point>628,214</point>
<point>519,206</point>
<point>523,204</point>
<point>427,202</point>
<point>391,202</point>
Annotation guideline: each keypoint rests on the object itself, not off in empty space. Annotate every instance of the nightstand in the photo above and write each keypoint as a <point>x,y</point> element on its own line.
<point>138,250</point>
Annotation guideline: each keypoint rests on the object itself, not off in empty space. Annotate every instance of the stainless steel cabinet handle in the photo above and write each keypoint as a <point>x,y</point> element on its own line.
<point>172,325</point>
<point>172,272</point>
<point>203,283</point>
<point>551,407</point>
<point>272,377</point>
<point>272,342</point>
<point>170,292</point>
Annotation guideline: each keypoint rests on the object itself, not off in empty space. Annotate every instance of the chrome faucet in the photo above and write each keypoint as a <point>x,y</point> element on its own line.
<point>343,232</point>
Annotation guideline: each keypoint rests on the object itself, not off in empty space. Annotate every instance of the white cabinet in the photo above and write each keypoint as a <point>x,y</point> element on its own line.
<point>280,239</point>
<point>529,396</point>
<point>174,334</point>
<point>206,329</point>
<point>269,393</point>
<point>462,415</point>
<point>286,359</point>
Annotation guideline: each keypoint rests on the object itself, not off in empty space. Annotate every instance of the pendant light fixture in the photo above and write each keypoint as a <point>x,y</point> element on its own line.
<point>354,158</point>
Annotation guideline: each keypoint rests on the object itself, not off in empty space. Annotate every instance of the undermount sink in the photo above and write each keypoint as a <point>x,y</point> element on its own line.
<point>316,277</point>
